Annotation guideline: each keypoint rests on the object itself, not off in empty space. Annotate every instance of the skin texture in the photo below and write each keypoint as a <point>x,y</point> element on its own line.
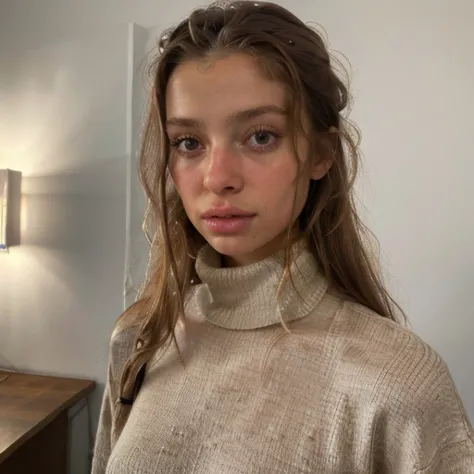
<point>222,156</point>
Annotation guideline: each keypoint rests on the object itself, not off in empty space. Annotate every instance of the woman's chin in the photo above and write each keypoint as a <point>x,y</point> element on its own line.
<point>240,250</point>
<point>231,246</point>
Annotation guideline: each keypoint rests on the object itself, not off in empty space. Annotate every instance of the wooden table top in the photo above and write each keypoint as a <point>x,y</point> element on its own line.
<point>30,402</point>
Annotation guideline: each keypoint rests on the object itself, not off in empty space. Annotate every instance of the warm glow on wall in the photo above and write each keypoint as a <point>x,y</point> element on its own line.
<point>10,205</point>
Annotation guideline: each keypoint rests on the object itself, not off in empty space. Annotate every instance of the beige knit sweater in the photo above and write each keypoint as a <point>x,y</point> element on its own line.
<point>347,392</point>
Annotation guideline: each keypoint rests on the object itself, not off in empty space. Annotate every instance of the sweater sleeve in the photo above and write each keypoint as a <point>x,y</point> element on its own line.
<point>121,348</point>
<point>103,441</point>
<point>457,458</point>
<point>446,435</point>
<point>430,433</point>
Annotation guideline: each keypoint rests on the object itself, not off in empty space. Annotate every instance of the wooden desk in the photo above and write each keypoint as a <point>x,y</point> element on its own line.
<point>34,422</point>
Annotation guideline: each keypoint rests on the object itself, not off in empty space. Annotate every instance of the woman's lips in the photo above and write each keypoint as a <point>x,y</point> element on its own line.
<point>228,225</point>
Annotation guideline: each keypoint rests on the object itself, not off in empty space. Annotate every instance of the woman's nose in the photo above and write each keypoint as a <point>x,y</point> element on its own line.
<point>223,172</point>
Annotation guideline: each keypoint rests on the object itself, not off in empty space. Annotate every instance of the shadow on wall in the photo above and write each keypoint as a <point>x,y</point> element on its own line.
<point>61,290</point>
<point>74,210</point>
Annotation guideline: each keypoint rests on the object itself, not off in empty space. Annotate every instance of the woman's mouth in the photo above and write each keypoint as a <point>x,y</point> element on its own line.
<point>228,225</point>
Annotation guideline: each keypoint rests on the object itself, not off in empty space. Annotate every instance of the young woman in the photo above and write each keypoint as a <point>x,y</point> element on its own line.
<point>264,340</point>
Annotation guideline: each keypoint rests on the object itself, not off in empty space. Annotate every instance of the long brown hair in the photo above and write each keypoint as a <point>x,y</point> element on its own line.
<point>296,55</point>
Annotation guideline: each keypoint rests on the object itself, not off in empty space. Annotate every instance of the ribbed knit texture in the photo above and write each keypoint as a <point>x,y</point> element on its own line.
<point>346,392</point>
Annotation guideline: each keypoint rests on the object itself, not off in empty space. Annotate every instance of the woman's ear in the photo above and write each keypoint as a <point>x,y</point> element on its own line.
<point>320,169</point>
<point>322,164</point>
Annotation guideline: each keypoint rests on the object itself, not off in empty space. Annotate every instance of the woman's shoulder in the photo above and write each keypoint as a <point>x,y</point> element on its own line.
<point>349,326</point>
<point>123,340</point>
<point>396,368</point>
<point>122,345</point>
<point>388,347</point>
<point>381,359</point>
<point>405,378</point>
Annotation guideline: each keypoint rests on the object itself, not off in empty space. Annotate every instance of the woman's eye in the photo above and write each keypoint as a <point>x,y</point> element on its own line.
<point>185,144</point>
<point>263,139</point>
<point>189,144</point>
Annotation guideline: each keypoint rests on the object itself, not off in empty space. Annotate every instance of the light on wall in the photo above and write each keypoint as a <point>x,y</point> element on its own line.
<point>10,205</point>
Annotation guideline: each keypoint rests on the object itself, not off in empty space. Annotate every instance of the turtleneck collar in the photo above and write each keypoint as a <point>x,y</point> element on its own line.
<point>245,297</point>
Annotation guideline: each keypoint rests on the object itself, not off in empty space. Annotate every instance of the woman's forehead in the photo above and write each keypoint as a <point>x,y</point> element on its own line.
<point>224,86</point>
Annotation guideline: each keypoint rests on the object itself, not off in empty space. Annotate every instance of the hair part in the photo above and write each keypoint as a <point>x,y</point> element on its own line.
<point>293,53</point>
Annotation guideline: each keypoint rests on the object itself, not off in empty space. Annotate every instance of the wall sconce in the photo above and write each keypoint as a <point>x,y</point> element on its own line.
<point>10,206</point>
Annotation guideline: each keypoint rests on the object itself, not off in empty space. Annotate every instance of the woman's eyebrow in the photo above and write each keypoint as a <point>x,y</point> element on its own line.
<point>237,117</point>
<point>245,115</point>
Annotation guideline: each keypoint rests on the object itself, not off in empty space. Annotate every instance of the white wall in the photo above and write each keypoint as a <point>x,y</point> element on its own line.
<point>63,124</point>
<point>64,117</point>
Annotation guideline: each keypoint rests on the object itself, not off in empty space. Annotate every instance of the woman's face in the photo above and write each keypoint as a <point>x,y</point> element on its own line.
<point>231,156</point>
